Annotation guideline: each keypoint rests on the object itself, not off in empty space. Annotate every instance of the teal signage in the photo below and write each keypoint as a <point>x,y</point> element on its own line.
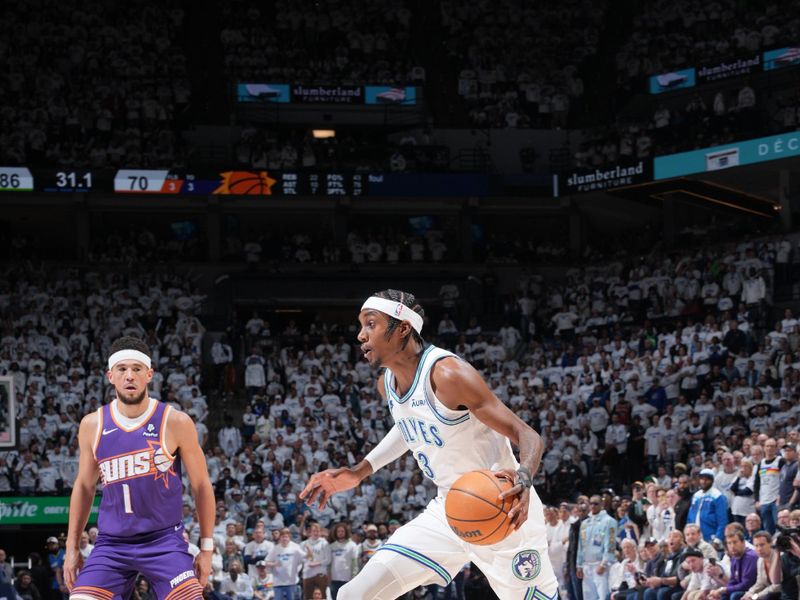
<point>735,154</point>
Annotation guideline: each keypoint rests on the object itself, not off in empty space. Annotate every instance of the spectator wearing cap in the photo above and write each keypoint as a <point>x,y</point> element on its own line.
<point>743,567</point>
<point>653,557</point>
<point>262,582</point>
<point>788,493</point>
<point>596,551</point>
<point>666,583</point>
<point>709,508</point>
<point>371,544</point>
<point>55,558</point>
<point>695,581</point>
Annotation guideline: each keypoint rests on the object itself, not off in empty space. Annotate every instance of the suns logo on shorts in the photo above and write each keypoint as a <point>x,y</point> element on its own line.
<point>526,565</point>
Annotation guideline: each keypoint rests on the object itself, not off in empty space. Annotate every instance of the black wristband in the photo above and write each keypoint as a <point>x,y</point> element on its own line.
<point>524,478</point>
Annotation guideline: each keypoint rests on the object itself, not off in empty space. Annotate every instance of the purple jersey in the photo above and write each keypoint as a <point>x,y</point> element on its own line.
<point>142,489</point>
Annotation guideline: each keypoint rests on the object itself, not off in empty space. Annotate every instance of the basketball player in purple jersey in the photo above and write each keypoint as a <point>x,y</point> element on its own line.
<point>136,446</point>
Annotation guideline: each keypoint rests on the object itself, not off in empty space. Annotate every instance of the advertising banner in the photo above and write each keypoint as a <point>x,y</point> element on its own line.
<point>327,94</point>
<point>782,57</point>
<point>39,510</point>
<point>746,152</point>
<point>381,94</point>
<point>729,68</point>
<point>263,92</point>
<point>675,80</point>
<point>604,178</point>
<point>284,93</point>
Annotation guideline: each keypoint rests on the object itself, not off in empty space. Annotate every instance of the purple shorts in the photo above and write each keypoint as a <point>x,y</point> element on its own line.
<point>161,557</point>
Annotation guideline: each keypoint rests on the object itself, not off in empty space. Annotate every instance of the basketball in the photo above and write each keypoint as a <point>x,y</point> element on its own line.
<point>161,461</point>
<point>245,183</point>
<point>474,512</point>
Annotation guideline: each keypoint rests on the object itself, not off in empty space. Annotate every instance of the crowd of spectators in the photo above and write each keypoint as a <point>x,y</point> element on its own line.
<point>704,120</point>
<point>519,65</point>
<point>179,240</point>
<point>667,36</point>
<point>389,245</point>
<point>319,43</point>
<point>92,84</point>
<point>348,150</point>
<point>56,327</point>
<point>664,370</point>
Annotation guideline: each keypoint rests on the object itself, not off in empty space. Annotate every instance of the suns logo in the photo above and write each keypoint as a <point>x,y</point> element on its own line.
<point>139,463</point>
<point>247,183</point>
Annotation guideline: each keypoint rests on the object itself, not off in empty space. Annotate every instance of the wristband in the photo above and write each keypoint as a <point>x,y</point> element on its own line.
<point>389,449</point>
<point>524,478</point>
<point>206,544</point>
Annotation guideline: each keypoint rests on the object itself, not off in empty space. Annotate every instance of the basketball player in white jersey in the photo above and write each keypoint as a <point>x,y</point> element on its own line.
<point>446,415</point>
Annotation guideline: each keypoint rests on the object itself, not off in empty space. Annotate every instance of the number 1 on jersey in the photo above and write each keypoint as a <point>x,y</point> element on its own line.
<point>126,497</point>
<point>424,464</point>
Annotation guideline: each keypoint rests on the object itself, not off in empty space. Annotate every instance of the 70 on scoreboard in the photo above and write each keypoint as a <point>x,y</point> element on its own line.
<point>141,181</point>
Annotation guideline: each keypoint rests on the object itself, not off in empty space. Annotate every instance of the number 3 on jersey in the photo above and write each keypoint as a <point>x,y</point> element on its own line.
<point>424,465</point>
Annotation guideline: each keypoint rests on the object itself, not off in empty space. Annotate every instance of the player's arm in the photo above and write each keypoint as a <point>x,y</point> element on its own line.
<point>458,385</point>
<point>80,503</point>
<point>323,485</point>
<point>185,435</point>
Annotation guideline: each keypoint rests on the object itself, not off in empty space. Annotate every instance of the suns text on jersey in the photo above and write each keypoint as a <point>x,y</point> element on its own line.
<point>126,466</point>
<point>416,430</point>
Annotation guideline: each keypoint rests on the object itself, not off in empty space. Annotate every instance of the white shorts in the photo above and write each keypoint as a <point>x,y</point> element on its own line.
<point>518,568</point>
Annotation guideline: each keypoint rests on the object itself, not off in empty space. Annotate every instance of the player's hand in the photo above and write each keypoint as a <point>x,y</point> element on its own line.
<point>600,569</point>
<point>579,573</point>
<point>519,508</point>
<point>325,484</point>
<point>73,561</point>
<point>202,567</point>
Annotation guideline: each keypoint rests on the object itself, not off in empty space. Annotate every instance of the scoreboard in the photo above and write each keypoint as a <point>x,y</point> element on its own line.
<point>261,183</point>
<point>167,182</point>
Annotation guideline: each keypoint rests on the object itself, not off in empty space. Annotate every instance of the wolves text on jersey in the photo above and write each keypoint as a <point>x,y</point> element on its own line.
<point>417,430</point>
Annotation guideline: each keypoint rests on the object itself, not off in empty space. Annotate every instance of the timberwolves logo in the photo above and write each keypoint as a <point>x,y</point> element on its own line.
<point>526,565</point>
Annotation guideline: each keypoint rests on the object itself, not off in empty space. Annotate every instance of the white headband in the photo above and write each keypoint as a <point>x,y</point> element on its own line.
<point>398,310</point>
<point>128,355</point>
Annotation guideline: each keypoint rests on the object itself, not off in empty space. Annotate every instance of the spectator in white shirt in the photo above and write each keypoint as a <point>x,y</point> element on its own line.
<point>236,584</point>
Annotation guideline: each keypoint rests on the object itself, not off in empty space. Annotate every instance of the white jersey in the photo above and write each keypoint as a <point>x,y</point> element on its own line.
<point>446,443</point>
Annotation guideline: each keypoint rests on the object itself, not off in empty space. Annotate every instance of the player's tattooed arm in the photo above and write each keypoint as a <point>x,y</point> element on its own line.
<point>459,386</point>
